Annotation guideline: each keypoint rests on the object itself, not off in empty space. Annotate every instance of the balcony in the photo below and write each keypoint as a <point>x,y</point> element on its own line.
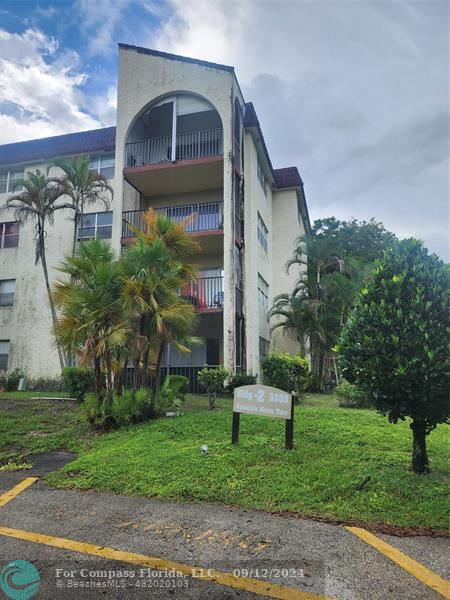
<point>154,167</point>
<point>206,293</point>
<point>203,218</point>
<point>189,146</point>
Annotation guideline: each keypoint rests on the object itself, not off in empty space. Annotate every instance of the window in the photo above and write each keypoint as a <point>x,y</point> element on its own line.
<point>8,180</point>
<point>262,233</point>
<point>9,235</point>
<point>95,225</point>
<point>263,292</point>
<point>7,292</point>
<point>264,347</point>
<point>4,354</point>
<point>103,164</point>
<point>262,177</point>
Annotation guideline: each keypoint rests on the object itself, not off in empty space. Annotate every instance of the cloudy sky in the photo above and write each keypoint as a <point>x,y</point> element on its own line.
<point>353,92</point>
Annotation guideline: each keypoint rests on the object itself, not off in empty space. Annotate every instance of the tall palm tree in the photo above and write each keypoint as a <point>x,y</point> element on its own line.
<point>92,323</point>
<point>82,186</point>
<point>38,202</point>
<point>155,269</point>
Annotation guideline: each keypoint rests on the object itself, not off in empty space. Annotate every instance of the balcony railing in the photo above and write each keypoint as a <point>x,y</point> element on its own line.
<point>205,216</point>
<point>205,293</point>
<point>197,144</point>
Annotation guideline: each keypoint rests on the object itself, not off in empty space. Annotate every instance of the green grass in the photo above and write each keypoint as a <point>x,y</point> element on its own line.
<point>32,426</point>
<point>28,395</point>
<point>335,449</point>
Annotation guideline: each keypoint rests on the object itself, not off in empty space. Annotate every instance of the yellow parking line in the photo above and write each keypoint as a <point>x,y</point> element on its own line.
<point>430,579</point>
<point>16,490</point>
<point>257,586</point>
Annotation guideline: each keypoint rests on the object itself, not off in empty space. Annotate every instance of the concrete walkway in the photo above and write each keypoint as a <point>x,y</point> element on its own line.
<point>303,559</point>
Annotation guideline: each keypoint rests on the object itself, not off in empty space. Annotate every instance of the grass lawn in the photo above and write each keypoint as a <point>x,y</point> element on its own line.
<point>32,426</point>
<point>335,449</point>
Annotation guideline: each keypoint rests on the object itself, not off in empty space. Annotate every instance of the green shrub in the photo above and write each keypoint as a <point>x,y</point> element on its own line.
<point>45,384</point>
<point>3,380</point>
<point>77,381</point>
<point>130,407</point>
<point>240,379</point>
<point>171,396</point>
<point>11,380</point>
<point>96,412</point>
<point>213,381</point>
<point>286,372</point>
<point>126,408</point>
<point>351,396</point>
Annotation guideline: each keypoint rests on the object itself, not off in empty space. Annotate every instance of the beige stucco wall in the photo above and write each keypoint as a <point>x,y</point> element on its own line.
<point>279,211</point>
<point>145,78</point>
<point>256,260</point>
<point>287,226</point>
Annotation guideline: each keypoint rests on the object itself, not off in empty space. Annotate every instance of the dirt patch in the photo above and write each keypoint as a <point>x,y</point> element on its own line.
<point>373,527</point>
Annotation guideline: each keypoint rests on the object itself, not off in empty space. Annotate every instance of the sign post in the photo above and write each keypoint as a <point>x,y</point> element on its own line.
<point>264,401</point>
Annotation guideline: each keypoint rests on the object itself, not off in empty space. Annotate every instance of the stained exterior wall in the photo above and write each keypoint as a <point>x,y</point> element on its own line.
<point>279,211</point>
<point>28,323</point>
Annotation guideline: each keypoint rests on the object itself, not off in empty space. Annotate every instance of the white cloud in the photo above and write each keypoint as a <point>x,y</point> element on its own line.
<point>99,21</point>
<point>40,88</point>
<point>353,93</point>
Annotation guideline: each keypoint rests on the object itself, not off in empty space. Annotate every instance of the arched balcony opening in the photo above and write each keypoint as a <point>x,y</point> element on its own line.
<point>180,127</point>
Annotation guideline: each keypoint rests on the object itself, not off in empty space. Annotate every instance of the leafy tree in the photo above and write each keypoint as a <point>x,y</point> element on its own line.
<point>92,323</point>
<point>213,380</point>
<point>335,262</point>
<point>38,202</point>
<point>82,186</point>
<point>394,345</point>
<point>365,240</point>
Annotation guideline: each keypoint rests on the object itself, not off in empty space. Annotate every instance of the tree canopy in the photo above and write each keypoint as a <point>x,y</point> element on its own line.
<point>395,342</point>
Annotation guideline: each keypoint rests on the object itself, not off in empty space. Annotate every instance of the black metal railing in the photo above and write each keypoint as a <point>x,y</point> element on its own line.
<point>149,379</point>
<point>196,144</point>
<point>205,292</point>
<point>198,217</point>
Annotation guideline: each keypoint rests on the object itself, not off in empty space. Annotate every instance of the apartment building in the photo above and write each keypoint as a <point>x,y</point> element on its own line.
<point>186,143</point>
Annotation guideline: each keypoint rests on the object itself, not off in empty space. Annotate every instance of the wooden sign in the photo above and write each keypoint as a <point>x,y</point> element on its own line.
<point>264,401</point>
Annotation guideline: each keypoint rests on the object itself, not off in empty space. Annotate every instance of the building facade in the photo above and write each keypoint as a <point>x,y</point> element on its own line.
<point>186,144</point>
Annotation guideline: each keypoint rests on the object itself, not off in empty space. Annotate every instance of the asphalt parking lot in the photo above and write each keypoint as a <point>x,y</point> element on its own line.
<point>94,545</point>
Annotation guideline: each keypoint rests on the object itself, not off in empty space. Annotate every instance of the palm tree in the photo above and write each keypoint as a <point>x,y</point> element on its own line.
<point>38,202</point>
<point>92,324</point>
<point>311,312</point>
<point>151,280</point>
<point>154,272</point>
<point>82,186</point>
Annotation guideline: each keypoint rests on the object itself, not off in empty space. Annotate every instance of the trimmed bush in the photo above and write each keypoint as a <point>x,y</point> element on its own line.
<point>77,381</point>
<point>286,372</point>
<point>45,384</point>
<point>240,379</point>
<point>351,396</point>
<point>213,381</point>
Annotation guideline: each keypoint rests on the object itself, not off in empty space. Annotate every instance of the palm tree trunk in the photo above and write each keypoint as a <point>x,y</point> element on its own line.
<point>43,258</point>
<point>97,377</point>
<point>162,347</point>
<point>108,379</point>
